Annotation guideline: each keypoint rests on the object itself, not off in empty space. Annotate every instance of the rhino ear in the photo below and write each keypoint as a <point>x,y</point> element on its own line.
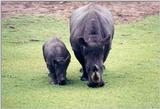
<point>106,39</point>
<point>82,41</point>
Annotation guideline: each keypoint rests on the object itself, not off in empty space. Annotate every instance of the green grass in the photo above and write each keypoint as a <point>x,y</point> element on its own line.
<point>132,76</point>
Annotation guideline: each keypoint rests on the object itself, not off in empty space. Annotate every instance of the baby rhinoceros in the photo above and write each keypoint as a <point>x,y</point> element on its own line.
<point>57,58</point>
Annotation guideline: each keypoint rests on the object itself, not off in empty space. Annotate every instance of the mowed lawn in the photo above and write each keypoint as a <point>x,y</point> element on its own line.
<point>132,74</point>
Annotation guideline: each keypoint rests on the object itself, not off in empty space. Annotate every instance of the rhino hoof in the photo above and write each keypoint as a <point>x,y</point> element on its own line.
<point>84,79</point>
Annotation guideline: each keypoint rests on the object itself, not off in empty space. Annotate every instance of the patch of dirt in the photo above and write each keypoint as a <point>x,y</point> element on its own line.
<point>122,11</point>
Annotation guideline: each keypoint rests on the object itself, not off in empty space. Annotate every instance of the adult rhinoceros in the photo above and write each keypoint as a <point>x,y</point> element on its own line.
<point>91,34</point>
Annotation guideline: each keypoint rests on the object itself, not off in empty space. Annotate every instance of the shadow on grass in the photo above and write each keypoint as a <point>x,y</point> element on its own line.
<point>43,81</point>
<point>113,79</point>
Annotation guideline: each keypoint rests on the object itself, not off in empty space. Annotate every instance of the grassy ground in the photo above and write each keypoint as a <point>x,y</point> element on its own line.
<point>132,76</point>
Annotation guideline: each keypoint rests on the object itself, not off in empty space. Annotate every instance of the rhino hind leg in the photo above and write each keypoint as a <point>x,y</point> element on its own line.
<point>53,79</point>
<point>80,58</point>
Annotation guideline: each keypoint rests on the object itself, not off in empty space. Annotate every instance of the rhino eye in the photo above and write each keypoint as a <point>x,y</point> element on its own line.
<point>59,62</point>
<point>95,69</point>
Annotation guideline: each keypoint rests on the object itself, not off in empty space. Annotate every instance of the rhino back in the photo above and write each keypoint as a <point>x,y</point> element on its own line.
<point>54,48</point>
<point>83,15</point>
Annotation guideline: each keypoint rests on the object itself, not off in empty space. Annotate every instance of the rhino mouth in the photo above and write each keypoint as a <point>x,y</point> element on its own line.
<point>95,85</point>
<point>63,82</point>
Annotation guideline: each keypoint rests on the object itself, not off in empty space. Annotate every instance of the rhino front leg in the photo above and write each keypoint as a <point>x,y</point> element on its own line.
<point>52,74</point>
<point>80,58</point>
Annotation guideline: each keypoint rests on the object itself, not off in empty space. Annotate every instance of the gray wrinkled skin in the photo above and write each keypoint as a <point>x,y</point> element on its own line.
<point>57,59</point>
<point>91,34</point>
